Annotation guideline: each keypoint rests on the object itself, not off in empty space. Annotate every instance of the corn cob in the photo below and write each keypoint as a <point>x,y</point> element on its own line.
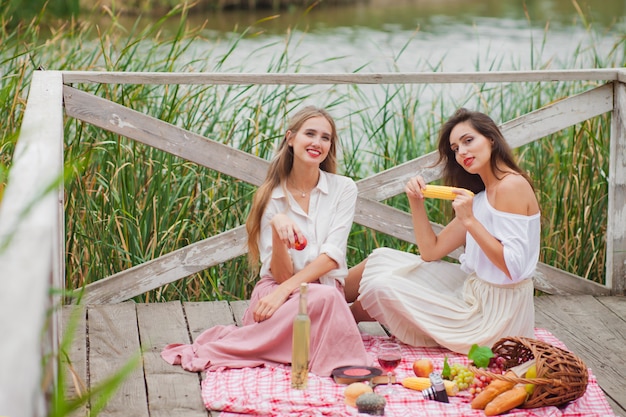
<point>442,191</point>
<point>419,384</point>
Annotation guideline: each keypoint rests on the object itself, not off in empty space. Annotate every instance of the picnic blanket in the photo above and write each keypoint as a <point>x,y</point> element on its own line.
<point>266,391</point>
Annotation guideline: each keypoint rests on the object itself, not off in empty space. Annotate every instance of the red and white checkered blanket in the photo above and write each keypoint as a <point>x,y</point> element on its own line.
<point>265,391</point>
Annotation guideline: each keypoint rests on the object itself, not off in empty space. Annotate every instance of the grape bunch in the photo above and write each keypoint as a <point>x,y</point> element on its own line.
<point>462,376</point>
<point>480,382</point>
<point>496,365</point>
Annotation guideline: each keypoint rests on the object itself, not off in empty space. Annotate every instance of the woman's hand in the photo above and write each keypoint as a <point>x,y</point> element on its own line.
<point>286,230</point>
<point>267,306</point>
<point>462,206</point>
<point>414,187</point>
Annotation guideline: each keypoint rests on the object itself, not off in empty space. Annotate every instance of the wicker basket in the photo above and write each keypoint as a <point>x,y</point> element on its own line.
<point>561,376</point>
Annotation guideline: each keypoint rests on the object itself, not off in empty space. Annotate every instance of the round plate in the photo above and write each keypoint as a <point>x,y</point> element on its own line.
<point>350,374</point>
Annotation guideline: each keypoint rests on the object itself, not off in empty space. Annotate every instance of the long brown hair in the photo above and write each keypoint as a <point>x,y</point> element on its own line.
<point>453,173</point>
<point>279,170</point>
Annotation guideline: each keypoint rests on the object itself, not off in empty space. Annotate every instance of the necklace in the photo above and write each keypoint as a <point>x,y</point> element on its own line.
<point>302,193</point>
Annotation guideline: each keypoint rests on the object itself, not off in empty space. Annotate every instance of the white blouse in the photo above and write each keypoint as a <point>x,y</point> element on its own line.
<point>326,226</point>
<point>520,236</point>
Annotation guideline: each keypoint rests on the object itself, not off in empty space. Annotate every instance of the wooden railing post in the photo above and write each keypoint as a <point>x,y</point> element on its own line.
<point>616,230</point>
<point>31,250</point>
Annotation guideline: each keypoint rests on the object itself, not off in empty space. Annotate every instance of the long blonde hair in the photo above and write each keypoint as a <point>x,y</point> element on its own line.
<point>277,174</point>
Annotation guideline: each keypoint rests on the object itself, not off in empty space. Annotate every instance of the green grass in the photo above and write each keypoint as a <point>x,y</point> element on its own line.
<point>127,203</point>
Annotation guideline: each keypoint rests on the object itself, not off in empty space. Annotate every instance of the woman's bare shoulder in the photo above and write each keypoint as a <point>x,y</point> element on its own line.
<point>516,195</point>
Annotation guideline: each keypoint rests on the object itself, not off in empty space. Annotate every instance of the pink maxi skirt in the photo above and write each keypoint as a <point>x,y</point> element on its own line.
<point>335,338</point>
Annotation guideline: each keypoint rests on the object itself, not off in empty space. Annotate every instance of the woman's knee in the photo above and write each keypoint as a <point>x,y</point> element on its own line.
<point>322,297</point>
<point>321,291</point>
<point>353,281</point>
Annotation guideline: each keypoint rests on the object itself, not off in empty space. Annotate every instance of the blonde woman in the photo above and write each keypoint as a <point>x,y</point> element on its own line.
<point>301,199</point>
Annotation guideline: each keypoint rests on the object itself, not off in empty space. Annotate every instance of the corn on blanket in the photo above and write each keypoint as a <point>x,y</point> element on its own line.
<point>266,391</point>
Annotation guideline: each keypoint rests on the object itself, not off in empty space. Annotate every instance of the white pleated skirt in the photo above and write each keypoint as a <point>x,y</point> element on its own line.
<point>437,304</point>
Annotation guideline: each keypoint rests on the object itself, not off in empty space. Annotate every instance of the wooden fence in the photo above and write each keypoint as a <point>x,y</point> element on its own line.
<point>31,215</point>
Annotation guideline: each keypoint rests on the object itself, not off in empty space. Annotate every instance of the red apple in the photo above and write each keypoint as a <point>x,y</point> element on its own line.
<point>300,244</point>
<point>423,367</point>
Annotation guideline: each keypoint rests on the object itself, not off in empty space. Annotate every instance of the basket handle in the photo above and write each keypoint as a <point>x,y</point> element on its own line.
<point>516,380</point>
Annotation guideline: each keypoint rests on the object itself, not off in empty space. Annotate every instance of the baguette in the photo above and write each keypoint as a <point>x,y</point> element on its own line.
<point>496,387</point>
<point>506,401</point>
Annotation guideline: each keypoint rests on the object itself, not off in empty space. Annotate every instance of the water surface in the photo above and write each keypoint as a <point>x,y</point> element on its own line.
<point>418,35</point>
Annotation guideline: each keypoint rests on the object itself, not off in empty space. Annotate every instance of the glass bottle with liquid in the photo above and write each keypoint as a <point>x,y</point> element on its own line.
<point>300,344</point>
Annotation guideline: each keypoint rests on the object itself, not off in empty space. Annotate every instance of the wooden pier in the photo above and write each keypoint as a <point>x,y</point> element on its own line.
<point>588,317</point>
<point>111,334</point>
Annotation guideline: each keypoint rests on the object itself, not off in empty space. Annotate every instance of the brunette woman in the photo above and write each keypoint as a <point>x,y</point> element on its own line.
<point>425,301</point>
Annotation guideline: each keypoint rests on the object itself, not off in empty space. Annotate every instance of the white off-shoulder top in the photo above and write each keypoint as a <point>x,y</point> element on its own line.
<point>520,236</point>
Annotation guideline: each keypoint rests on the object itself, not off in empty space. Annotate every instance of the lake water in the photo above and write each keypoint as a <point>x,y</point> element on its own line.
<point>418,35</point>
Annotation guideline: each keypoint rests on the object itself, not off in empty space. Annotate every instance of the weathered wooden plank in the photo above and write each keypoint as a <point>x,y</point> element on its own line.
<point>616,230</point>
<point>113,342</point>
<point>520,131</point>
<point>389,220</point>
<point>372,327</point>
<point>618,306</point>
<point>164,136</point>
<point>29,224</point>
<point>171,389</point>
<point>239,307</point>
<point>392,181</point>
<point>383,218</point>
<point>167,268</point>
<point>593,332</point>
<point>555,281</point>
<point>559,115</point>
<point>615,304</point>
<point>618,410</point>
<point>201,316</point>
<point>606,74</point>
<point>74,331</point>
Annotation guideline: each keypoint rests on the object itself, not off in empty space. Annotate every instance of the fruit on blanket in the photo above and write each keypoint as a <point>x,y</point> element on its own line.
<point>423,367</point>
<point>460,374</point>
<point>354,391</point>
<point>530,374</point>
<point>300,244</point>
<point>507,400</point>
<point>421,383</point>
<point>372,404</point>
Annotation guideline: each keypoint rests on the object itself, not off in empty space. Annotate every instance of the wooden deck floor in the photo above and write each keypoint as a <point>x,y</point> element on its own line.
<point>109,335</point>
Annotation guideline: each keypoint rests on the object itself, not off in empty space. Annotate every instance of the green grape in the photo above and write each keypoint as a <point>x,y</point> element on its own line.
<point>462,376</point>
